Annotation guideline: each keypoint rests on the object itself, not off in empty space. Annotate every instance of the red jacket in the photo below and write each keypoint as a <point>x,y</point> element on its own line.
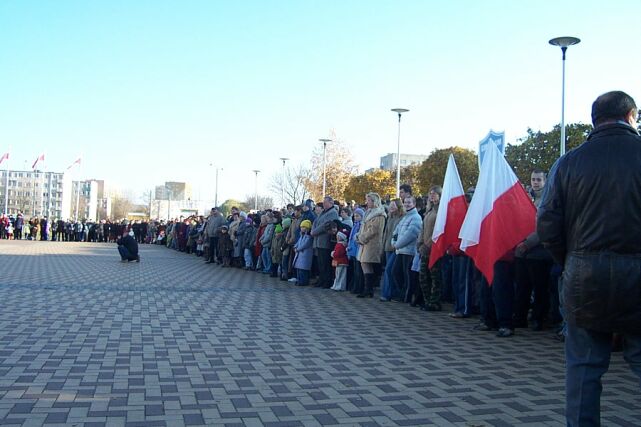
<point>340,254</point>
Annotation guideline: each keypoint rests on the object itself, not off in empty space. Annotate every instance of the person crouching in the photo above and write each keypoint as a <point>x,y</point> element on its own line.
<point>128,247</point>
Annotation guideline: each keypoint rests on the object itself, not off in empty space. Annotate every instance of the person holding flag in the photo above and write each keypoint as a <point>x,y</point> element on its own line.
<point>500,216</point>
<point>447,226</point>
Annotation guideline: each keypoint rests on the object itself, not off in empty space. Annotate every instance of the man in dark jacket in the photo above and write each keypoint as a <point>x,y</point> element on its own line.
<point>589,220</point>
<point>128,248</point>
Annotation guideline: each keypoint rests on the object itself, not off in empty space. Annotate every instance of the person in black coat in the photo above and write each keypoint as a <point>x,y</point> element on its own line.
<point>128,248</point>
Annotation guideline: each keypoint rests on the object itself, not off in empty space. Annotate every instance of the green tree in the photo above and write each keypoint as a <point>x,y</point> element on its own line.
<point>225,208</point>
<point>432,170</point>
<point>541,149</point>
<point>379,181</point>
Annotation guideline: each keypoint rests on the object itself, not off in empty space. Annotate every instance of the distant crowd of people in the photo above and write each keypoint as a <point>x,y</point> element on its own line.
<point>41,228</point>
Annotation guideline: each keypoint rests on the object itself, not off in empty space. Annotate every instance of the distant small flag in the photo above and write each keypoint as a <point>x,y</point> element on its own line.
<point>4,157</point>
<point>41,158</point>
<point>77,162</point>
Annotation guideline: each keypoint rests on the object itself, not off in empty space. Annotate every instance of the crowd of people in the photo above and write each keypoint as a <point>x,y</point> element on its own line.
<point>376,245</point>
<point>41,228</point>
<point>349,247</point>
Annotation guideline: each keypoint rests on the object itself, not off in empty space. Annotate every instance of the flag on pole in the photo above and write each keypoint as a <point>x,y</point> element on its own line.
<point>500,216</point>
<point>450,215</point>
<point>4,157</point>
<point>41,158</point>
<point>77,162</point>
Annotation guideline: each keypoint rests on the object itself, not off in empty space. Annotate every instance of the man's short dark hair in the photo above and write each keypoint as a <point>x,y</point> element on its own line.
<point>613,105</point>
<point>406,188</point>
<point>538,171</point>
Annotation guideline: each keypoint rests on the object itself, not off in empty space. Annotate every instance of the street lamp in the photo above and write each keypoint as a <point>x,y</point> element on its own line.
<point>563,43</point>
<point>216,187</point>
<point>399,111</point>
<point>170,194</point>
<point>282,187</point>
<point>256,171</point>
<point>324,141</point>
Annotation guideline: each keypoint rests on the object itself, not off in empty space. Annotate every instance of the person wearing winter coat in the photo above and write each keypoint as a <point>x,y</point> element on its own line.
<point>404,244</point>
<point>225,245</point>
<point>370,239</point>
<point>339,258</point>
<point>215,220</point>
<point>354,272</point>
<point>322,245</point>
<point>277,249</point>
<point>249,240</point>
<point>396,212</point>
<point>303,254</point>
<point>266,243</point>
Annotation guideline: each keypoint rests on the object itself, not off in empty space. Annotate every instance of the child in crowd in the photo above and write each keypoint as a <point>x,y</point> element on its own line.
<point>355,285</point>
<point>225,245</point>
<point>304,254</point>
<point>339,260</point>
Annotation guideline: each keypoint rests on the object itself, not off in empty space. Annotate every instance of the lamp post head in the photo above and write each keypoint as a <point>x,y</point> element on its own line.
<point>400,110</point>
<point>564,41</point>
<point>256,171</point>
<point>325,140</point>
<point>284,159</point>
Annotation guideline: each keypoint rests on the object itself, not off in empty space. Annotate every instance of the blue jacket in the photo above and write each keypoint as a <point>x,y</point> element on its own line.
<point>407,232</point>
<point>352,246</point>
<point>304,252</point>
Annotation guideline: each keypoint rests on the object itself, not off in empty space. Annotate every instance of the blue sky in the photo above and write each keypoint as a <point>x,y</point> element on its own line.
<point>149,91</point>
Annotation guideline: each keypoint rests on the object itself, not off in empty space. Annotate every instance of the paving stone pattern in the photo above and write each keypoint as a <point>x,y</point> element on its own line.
<point>88,341</point>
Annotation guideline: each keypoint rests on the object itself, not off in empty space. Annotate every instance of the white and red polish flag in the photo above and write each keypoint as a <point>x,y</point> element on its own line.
<point>500,216</point>
<point>41,158</point>
<point>4,157</point>
<point>77,162</point>
<point>451,213</point>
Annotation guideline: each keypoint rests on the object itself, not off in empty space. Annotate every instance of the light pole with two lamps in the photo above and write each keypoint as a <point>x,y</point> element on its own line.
<point>399,111</point>
<point>563,43</point>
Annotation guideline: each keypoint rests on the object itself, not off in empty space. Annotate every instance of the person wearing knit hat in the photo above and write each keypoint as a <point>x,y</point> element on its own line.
<point>277,249</point>
<point>340,261</point>
<point>286,223</point>
<point>304,253</point>
<point>306,224</point>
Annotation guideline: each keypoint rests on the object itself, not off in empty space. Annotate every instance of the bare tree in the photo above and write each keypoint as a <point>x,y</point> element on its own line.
<point>339,169</point>
<point>264,202</point>
<point>292,183</point>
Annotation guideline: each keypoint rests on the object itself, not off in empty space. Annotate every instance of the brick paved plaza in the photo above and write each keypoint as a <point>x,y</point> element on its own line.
<point>86,340</point>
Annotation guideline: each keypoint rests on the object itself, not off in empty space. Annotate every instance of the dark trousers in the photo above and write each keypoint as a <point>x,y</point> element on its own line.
<point>462,285</point>
<point>357,278</point>
<point>213,249</point>
<point>125,254</point>
<point>532,275</point>
<point>503,293</point>
<point>325,270</point>
<point>401,269</point>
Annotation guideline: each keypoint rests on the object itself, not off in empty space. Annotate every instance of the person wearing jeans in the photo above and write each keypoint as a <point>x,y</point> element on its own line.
<point>588,220</point>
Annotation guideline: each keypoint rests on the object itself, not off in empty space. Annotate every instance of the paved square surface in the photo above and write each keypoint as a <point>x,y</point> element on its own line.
<point>88,341</point>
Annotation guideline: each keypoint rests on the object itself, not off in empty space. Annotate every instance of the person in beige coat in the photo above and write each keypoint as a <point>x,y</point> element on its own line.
<point>370,239</point>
